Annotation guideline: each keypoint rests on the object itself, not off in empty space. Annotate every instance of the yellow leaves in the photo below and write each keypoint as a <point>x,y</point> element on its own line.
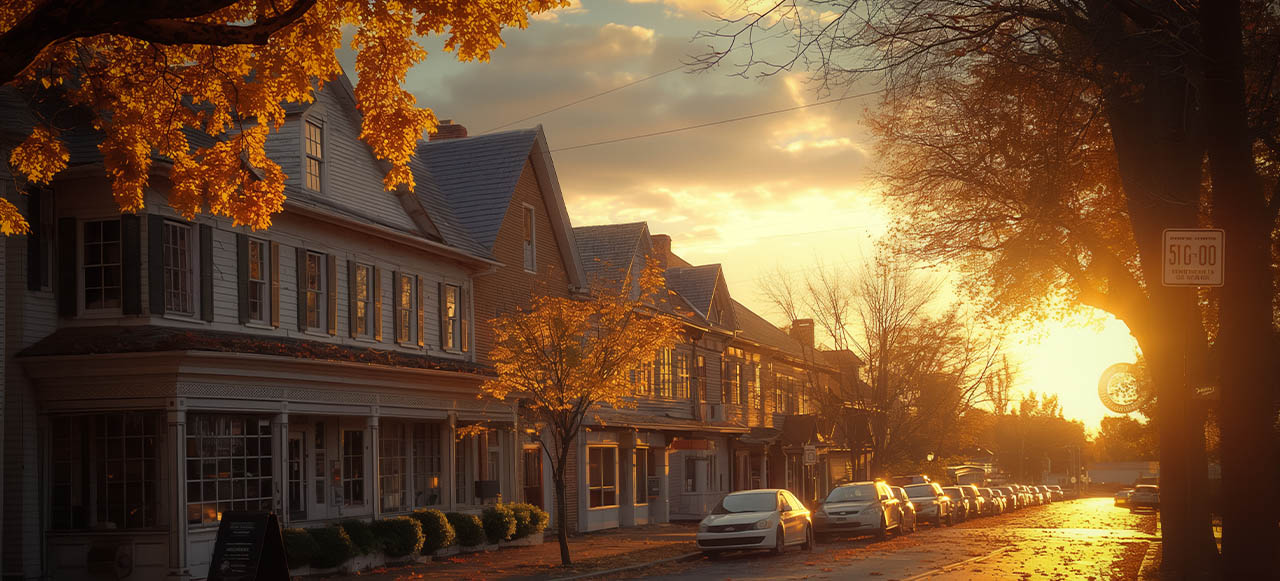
<point>11,220</point>
<point>40,156</point>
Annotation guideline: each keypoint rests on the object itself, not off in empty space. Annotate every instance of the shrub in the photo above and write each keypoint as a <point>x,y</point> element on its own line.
<point>399,536</point>
<point>499,523</point>
<point>470,530</point>
<point>530,519</point>
<point>299,547</point>
<point>436,529</point>
<point>361,536</point>
<point>335,547</point>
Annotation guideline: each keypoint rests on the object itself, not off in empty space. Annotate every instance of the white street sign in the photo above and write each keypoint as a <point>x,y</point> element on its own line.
<point>811,455</point>
<point>1193,256</point>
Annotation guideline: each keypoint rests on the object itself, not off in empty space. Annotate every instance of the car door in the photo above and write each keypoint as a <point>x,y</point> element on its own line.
<point>889,504</point>
<point>792,511</point>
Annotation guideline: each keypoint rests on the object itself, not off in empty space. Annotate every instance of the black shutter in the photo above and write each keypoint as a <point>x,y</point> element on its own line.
<point>275,284</point>
<point>35,242</point>
<point>67,267</point>
<point>332,287</point>
<point>302,288</point>
<point>131,264</point>
<point>155,263</point>
<point>242,276</point>
<point>206,272</point>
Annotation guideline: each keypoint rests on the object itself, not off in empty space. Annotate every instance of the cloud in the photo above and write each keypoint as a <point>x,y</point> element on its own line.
<point>574,7</point>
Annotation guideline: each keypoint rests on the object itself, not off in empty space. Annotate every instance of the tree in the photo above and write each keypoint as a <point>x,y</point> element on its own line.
<point>145,71</point>
<point>1122,438</point>
<point>564,358</point>
<point>1158,115</point>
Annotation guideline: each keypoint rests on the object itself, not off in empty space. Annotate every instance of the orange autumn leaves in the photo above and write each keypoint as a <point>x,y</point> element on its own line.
<point>146,98</point>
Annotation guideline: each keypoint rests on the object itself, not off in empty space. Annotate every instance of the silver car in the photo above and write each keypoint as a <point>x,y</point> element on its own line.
<point>859,507</point>
<point>756,519</point>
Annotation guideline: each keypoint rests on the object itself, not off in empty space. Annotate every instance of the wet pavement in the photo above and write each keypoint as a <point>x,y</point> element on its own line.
<point>1087,539</point>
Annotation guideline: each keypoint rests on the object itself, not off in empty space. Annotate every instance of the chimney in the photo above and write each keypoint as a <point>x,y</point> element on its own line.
<point>447,129</point>
<point>802,331</point>
<point>661,248</point>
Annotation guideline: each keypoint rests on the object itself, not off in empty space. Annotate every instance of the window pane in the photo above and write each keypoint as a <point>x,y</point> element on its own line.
<point>226,452</point>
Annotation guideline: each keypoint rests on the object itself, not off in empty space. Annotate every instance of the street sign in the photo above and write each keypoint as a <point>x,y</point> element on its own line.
<point>1193,256</point>
<point>811,455</point>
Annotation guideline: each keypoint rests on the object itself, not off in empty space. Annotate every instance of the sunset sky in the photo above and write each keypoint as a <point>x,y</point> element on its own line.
<point>782,191</point>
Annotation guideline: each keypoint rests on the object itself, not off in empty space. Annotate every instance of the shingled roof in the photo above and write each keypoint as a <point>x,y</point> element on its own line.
<point>608,249</point>
<point>476,177</point>
<point>759,330</point>
<point>697,284</point>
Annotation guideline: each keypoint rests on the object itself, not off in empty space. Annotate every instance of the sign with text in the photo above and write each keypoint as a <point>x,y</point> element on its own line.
<point>811,455</point>
<point>1193,256</point>
<point>249,547</point>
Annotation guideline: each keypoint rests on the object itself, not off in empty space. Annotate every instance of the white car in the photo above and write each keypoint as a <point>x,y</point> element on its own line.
<point>756,519</point>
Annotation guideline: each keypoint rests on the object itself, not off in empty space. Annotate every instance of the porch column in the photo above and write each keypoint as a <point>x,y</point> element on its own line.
<point>175,449</point>
<point>660,510</point>
<point>627,474</point>
<point>450,445</point>
<point>374,483</point>
<point>280,466</point>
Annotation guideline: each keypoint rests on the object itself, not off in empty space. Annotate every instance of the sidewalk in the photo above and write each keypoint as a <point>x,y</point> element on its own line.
<point>591,552</point>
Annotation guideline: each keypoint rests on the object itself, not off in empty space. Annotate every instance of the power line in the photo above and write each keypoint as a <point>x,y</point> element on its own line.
<point>720,122</point>
<point>588,98</point>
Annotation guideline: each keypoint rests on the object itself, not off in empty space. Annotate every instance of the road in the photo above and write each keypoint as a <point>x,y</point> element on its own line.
<point>1085,539</point>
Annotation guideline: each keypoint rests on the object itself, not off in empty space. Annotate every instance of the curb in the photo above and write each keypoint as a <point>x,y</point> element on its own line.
<point>1149,570</point>
<point>630,567</point>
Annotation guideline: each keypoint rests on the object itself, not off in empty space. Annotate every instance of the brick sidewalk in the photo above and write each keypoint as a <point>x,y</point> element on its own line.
<point>598,551</point>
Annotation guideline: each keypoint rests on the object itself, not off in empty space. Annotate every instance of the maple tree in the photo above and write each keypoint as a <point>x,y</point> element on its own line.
<point>566,357</point>
<point>147,71</point>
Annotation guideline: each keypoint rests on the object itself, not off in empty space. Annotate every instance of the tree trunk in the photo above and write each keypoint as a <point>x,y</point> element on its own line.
<point>562,515</point>
<point>1247,377</point>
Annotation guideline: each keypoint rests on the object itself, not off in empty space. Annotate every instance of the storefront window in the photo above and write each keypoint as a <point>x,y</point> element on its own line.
<point>426,465</point>
<point>228,465</point>
<point>113,455</point>
<point>353,467</point>
<point>602,471</point>
<point>642,476</point>
<point>392,457</point>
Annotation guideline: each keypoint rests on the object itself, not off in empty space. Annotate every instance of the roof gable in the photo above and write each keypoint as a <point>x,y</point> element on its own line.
<point>609,250</point>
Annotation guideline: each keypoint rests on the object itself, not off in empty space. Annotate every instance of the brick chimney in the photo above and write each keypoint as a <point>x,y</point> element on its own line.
<point>802,331</point>
<point>447,129</point>
<point>661,249</point>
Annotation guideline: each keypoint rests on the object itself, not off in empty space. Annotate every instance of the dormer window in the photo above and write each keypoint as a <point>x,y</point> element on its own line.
<point>530,255</point>
<point>315,155</point>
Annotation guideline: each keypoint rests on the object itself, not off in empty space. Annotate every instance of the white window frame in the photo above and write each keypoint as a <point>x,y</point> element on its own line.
<point>319,292</point>
<point>452,322</point>
<point>356,460</point>
<point>184,273</point>
<point>309,156</point>
<point>592,487</point>
<point>529,222</point>
<point>253,462</point>
<point>264,298</point>
<point>406,322</point>
<point>84,266</point>
<point>364,329</point>
<point>113,458</point>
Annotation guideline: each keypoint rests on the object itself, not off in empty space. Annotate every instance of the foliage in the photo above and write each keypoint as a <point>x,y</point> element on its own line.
<point>335,546</point>
<point>1122,439</point>
<point>499,523</point>
<point>399,536</point>
<point>300,547</point>
<point>469,528</point>
<point>361,535</point>
<point>436,530</point>
<point>530,519</point>
<point>147,72</point>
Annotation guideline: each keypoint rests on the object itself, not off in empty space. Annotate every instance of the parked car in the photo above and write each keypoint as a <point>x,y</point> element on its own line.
<point>908,479</point>
<point>1057,492</point>
<point>1014,500</point>
<point>1047,493</point>
<point>909,517</point>
<point>1122,496</point>
<point>963,506</point>
<point>932,504</point>
<point>756,519</point>
<point>978,503</point>
<point>1145,497</point>
<point>995,504</point>
<point>859,507</point>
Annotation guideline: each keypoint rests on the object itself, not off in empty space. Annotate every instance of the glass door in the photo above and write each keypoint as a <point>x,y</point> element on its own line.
<point>295,468</point>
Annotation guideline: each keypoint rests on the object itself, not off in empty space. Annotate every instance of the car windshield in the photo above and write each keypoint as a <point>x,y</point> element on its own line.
<point>748,502</point>
<point>953,492</point>
<point>920,491</point>
<point>969,491</point>
<point>1148,488</point>
<point>853,492</point>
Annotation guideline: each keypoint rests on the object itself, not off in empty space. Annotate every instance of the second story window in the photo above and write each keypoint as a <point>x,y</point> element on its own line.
<point>662,374</point>
<point>257,281</point>
<point>700,377</point>
<point>405,302</point>
<point>680,373</point>
<point>102,264</point>
<point>178,295</point>
<point>450,325</point>
<point>361,300</point>
<point>530,255</point>
<point>314,291</point>
<point>315,155</point>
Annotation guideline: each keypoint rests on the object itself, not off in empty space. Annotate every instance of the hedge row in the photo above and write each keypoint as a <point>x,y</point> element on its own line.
<point>424,531</point>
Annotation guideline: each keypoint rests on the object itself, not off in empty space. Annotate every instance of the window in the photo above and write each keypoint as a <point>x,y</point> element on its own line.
<point>353,467</point>
<point>642,379</point>
<point>314,291</point>
<point>321,468</point>
<point>642,475</point>
<point>602,473</point>
<point>228,465</point>
<point>530,253</point>
<point>680,387</point>
<point>102,264</point>
<point>177,269</point>
<point>315,155</point>
<point>662,374</point>
<point>731,376</point>
<point>392,464</point>
<point>700,370</point>
<point>361,300</point>
<point>404,308</point>
<point>257,283</point>
<point>427,462</point>
<point>691,474</point>
<point>451,324</point>
<point>751,385</point>
<point>104,471</point>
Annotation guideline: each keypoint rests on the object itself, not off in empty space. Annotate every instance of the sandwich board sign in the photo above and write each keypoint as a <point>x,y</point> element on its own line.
<point>249,547</point>
<point>1193,257</point>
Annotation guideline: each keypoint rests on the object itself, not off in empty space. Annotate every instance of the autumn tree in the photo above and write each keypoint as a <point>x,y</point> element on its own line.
<point>1045,146</point>
<point>564,358</point>
<point>1122,438</point>
<point>145,71</point>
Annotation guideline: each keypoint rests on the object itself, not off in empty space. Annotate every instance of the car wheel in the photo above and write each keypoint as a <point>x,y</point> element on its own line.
<point>808,539</point>
<point>779,543</point>
<point>883,531</point>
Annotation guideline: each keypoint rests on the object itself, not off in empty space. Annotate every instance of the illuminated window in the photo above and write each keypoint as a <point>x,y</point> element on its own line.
<point>602,476</point>
<point>315,155</point>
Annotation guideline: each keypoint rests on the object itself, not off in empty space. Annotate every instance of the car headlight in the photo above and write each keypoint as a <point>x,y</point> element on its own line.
<point>762,524</point>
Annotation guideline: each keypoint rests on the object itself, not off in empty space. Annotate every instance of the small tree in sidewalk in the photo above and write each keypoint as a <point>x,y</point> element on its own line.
<point>564,357</point>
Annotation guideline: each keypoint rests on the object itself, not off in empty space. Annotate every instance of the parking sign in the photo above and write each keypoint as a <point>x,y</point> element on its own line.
<point>1193,256</point>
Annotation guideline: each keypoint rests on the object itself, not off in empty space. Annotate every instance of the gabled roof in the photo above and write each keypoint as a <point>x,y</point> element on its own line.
<point>756,329</point>
<point>607,250</point>
<point>697,284</point>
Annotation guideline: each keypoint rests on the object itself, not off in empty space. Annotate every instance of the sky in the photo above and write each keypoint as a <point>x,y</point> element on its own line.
<point>780,192</point>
